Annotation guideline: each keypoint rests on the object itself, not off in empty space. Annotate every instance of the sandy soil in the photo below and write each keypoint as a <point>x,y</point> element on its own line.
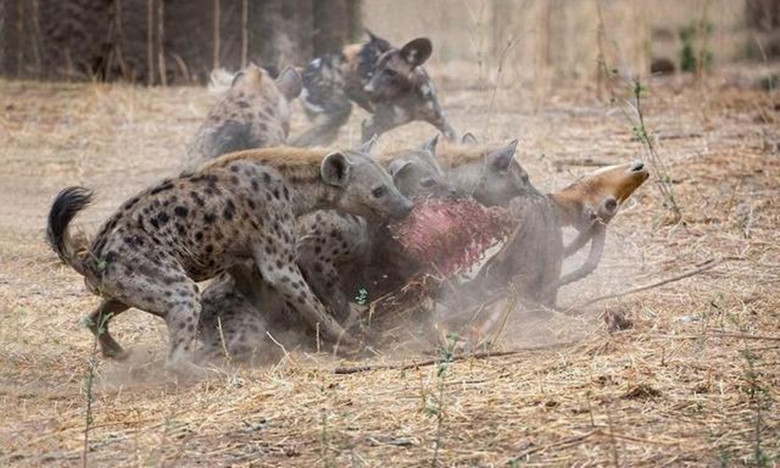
<point>695,381</point>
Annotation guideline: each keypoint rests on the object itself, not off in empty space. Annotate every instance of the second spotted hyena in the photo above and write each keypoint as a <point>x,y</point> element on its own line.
<point>252,113</point>
<point>388,82</point>
<point>237,209</point>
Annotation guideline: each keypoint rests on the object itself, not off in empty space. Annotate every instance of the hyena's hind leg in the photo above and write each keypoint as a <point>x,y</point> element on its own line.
<point>162,289</point>
<point>327,118</point>
<point>98,325</point>
<point>233,327</point>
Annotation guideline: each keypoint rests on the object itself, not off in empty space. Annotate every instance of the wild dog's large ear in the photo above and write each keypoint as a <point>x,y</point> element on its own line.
<point>397,167</point>
<point>468,138</point>
<point>382,44</point>
<point>430,145</point>
<point>290,83</point>
<point>367,146</point>
<point>417,51</point>
<point>500,159</point>
<point>335,169</point>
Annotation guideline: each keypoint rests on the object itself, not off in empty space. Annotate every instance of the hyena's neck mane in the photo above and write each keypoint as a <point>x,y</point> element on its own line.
<point>300,167</point>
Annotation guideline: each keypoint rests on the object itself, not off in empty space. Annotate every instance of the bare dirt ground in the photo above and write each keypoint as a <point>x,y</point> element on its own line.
<point>694,382</point>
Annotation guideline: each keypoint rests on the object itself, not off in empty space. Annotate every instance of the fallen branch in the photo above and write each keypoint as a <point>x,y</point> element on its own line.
<point>568,442</point>
<point>709,264</point>
<point>739,336</point>
<point>430,362</point>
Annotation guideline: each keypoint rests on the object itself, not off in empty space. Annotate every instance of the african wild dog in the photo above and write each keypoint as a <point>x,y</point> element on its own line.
<point>235,209</point>
<point>252,113</point>
<point>389,83</point>
<point>332,250</point>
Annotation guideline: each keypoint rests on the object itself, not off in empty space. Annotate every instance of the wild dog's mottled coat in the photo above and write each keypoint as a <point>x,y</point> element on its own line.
<point>389,83</point>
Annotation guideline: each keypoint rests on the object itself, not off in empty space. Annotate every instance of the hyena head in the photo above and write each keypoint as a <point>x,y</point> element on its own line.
<point>395,71</point>
<point>254,112</point>
<point>495,178</point>
<point>417,172</point>
<point>365,188</point>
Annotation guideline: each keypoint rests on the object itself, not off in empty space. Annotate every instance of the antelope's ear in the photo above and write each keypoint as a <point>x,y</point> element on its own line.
<point>290,83</point>
<point>417,51</point>
<point>335,169</point>
<point>500,159</point>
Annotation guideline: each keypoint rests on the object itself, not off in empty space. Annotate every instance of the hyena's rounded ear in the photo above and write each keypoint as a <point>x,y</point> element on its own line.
<point>382,44</point>
<point>397,167</point>
<point>335,169</point>
<point>290,83</point>
<point>417,51</point>
<point>430,145</point>
<point>468,138</point>
<point>237,78</point>
<point>501,158</point>
<point>367,147</point>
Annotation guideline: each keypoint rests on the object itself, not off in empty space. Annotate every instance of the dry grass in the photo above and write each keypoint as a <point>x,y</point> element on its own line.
<point>695,381</point>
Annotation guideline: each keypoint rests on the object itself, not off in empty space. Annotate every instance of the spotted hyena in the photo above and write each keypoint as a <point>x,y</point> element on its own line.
<point>333,248</point>
<point>388,82</point>
<point>236,209</point>
<point>252,113</point>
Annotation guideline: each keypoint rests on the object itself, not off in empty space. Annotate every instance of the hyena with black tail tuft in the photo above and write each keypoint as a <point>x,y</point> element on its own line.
<point>236,209</point>
<point>388,82</point>
<point>253,113</point>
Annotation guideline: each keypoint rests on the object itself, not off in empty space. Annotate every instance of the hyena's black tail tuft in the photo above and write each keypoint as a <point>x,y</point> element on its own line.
<point>68,203</point>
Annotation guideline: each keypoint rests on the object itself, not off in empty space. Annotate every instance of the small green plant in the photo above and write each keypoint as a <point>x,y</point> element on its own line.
<point>690,60</point>
<point>636,119</point>
<point>362,296</point>
<point>446,357</point>
<point>758,397</point>
<point>90,381</point>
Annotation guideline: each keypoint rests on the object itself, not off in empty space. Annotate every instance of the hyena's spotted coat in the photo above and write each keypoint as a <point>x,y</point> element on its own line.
<point>341,245</point>
<point>237,209</point>
<point>252,113</point>
<point>332,250</point>
<point>389,83</point>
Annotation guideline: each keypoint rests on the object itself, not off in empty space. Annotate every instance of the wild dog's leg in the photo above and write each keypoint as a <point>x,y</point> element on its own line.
<point>287,280</point>
<point>98,325</point>
<point>326,119</point>
<point>438,121</point>
<point>385,118</point>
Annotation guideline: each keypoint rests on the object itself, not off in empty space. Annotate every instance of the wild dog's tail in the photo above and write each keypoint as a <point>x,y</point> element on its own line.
<point>68,203</point>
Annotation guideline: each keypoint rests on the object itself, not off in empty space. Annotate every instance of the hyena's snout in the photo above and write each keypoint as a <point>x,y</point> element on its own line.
<point>399,207</point>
